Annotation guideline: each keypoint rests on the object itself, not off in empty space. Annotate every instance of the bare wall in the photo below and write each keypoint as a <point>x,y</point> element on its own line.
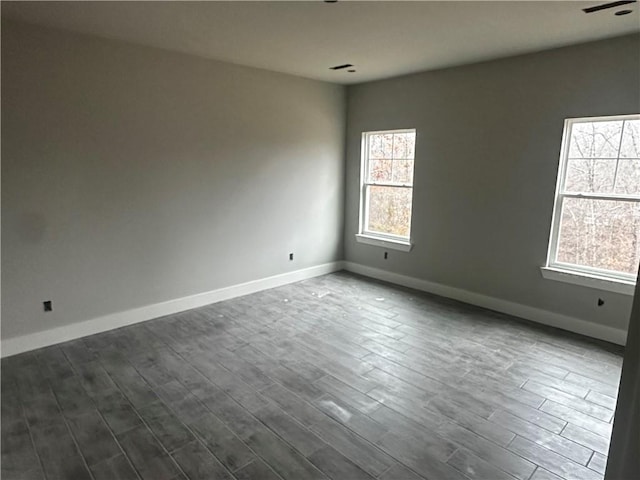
<point>132,176</point>
<point>487,154</point>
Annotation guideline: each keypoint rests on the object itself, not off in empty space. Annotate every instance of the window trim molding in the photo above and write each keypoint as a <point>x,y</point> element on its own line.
<point>590,280</point>
<point>379,241</point>
<point>618,282</point>
<point>365,236</point>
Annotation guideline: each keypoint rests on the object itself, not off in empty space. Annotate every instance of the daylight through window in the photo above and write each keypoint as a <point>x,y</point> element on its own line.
<point>596,219</point>
<point>387,184</point>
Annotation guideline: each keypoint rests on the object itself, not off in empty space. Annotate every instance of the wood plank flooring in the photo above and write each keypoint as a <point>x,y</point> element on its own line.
<point>335,377</point>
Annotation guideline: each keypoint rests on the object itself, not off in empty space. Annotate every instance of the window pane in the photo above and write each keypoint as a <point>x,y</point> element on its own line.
<point>595,139</point>
<point>389,210</point>
<point>628,178</point>
<point>590,176</point>
<point>381,145</point>
<point>630,147</point>
<point>400,145</point>
<point>403,171</point>
<point>380,170</point>
<point>600,233</point>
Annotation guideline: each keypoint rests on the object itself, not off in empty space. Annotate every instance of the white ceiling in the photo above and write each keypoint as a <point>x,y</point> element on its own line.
<point>382,39</point>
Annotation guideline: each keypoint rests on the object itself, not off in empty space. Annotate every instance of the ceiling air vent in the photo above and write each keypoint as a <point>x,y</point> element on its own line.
<point>606,6</point>
<point>341,67</point>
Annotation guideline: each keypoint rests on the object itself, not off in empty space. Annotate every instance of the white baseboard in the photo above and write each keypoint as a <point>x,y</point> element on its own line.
<point>25,343</point>
<point>558,320</point>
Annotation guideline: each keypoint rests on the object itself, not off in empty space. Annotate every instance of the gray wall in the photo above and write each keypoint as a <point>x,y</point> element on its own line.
<point>623,462</point>
<point>132,176</point>
<point>486,160</point>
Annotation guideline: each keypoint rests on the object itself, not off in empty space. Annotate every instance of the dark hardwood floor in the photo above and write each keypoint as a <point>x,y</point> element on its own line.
<point>337,376</point>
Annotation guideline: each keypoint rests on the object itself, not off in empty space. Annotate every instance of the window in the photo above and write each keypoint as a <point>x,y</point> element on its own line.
<point>595,232</point>
<point>386,188</point>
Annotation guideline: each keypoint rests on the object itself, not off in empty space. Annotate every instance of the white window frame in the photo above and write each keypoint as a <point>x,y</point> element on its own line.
<point>395,242</point>
<point>619,282</point>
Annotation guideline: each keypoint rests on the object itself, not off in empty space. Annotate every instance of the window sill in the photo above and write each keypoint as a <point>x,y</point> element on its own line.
<point>589,280</point>
<point>386,243</point>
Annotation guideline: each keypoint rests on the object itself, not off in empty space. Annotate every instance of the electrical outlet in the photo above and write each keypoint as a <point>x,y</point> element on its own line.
<point>291,256</point>
<point>48,306</point>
